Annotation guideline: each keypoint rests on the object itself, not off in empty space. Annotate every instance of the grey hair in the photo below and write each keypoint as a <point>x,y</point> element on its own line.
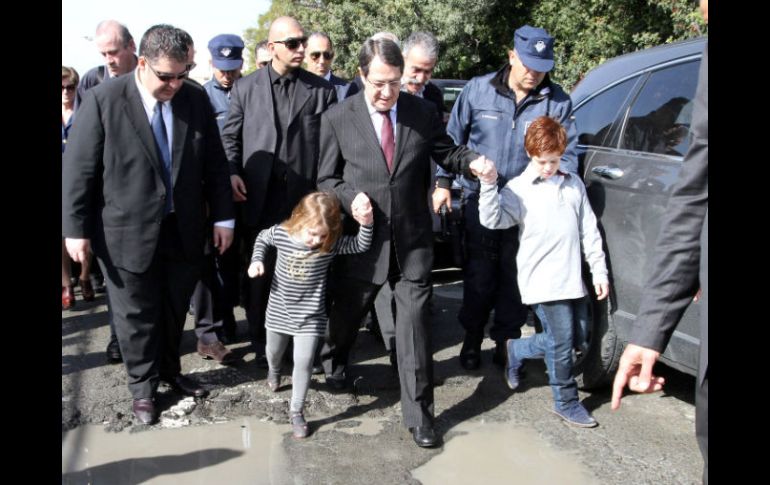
<point>164,40</point>
<point>425,40</point>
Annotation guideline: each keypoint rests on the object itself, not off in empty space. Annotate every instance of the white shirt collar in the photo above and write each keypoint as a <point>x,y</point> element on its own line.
<point>148,101</point>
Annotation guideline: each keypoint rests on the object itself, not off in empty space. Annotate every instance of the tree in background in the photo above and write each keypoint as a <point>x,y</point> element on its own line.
<point>474,35</point>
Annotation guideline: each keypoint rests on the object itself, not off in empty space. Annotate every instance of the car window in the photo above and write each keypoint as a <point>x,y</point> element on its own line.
<point>595,118</point>
<point>450,96</point>
<point>659,120</point>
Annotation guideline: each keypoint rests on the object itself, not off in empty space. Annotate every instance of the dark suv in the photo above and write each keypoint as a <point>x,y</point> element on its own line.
<point>632,115</point>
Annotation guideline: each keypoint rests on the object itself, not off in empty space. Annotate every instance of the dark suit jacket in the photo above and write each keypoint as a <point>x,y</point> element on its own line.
<point>344,89</point>
<point>352,161</point>
<point>682,247</point>
<point>112,181</point>
<point>250,135</point>
<point>433,94</point>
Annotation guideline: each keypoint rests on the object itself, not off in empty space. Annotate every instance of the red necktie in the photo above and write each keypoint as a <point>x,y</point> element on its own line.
<point>388,143</point>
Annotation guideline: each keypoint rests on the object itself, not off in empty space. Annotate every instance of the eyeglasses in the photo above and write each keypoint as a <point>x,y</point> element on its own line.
<point>166,78</point>
<point>69,87</point>
<point>327,55</point>
<point>292,43</point>
<point>380,85</point>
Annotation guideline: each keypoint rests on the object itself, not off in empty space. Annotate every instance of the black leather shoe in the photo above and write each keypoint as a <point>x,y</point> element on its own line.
<point>336,383</point>
<point>424,436</point>
<point>113,351</point>
<point>470,353</point>
<point>499,356</point>
<point>185,385</point>
<point>144,410</point>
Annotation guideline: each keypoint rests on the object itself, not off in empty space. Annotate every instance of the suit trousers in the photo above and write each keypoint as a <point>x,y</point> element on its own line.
<point>149,310</point>
<point>211,300</point>
<point>352,298</point>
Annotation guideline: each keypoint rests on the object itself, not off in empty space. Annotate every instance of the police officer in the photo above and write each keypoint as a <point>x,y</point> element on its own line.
<point>226,62</point>
<point>217,292</point>
<point>491,116</point>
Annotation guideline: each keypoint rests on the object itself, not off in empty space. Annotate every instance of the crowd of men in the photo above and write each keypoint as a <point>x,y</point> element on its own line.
<point>169,183</point>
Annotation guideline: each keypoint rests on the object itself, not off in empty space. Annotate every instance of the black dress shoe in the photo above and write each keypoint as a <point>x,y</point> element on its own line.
<point>185,385</point>
<point>499,357</point>
<point>470,353</point>
<point>424,436</point>
<point>144,410</point>
<point>113,351</point>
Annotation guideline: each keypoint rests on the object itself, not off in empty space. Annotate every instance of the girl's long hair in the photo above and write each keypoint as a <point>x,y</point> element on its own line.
<point>317,209</point>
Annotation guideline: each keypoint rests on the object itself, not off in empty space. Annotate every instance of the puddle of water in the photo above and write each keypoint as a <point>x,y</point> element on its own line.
<point>500,453</point>
<point>243,451</point>
<point>362,426</point>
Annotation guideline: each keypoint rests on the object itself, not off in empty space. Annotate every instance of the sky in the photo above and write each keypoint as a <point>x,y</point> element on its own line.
<point>197,17</point>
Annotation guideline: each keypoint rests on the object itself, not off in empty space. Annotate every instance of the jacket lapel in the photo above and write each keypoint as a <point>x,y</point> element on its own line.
<point>180,106</point>
<point>363,123</point>
<point>138,118</point>
<point>402,131</point>
<point>301,95</point>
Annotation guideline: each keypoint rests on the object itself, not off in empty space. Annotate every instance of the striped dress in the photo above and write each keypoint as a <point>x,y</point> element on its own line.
<point>297,304</point>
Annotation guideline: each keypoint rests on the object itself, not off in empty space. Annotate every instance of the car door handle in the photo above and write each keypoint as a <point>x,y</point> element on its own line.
<point>612,173</point>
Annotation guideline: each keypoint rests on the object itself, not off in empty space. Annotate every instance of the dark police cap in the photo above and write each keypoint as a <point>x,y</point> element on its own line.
<point>226,52</point>
<point>534,47</point>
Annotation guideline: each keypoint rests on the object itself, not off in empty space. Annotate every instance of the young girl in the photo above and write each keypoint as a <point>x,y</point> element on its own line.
<point>305,244</point>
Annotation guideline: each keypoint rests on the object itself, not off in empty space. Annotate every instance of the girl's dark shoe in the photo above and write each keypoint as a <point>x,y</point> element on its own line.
<point>299,427</point>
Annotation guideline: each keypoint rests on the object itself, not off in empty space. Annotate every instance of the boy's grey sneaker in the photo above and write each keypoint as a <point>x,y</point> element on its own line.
<point>575,414</point>
<point>512,366</point>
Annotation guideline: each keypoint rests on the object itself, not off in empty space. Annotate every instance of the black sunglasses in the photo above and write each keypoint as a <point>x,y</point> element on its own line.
<point>69,87</point>
<point>168,77</point>
<point>292,43</point>
<point>327,55</point>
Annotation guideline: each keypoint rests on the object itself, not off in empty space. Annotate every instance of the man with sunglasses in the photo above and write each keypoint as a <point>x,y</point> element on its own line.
<point>319,55</point>
<point>143,161</point>
<point>271,140</point>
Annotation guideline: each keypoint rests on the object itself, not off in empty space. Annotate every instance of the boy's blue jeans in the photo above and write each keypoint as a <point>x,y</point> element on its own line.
<point>565,324</point>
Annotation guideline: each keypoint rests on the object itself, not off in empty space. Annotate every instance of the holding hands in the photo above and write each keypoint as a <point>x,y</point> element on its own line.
<point>484,169</point>
<point>361,209</point>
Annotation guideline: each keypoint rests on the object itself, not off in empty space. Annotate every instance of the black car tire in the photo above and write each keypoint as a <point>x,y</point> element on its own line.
<point>597,367</point>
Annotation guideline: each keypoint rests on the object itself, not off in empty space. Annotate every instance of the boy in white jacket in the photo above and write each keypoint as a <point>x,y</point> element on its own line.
<point>555,219</point>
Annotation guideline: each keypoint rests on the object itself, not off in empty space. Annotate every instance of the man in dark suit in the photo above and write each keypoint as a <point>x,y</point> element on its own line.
<point>271,141</point>
<point>368,163</point>
<point>143,161</point>
<point>319,56</point>
<point>681,265</point>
